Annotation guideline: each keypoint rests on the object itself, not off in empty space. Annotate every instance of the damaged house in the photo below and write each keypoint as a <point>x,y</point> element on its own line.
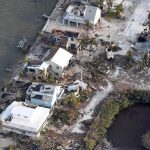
<point>25,119</point>
<point>43,95</point>
<point>65,39</point>
<point>54,60</point>
<point>81,14</point>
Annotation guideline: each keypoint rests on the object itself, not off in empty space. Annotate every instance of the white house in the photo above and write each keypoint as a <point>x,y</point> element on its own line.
<point>25,119</point>
<point>82,13</point>
<point>60,61</point>
<point>56,63</point>
<point>43,95</point>
<point>34,68</point>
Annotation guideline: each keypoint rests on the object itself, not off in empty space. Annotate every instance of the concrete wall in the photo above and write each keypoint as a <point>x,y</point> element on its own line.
<point>41,102</point>
<point>75,41</point>
<point>97,16</point>
<point>56,69</point>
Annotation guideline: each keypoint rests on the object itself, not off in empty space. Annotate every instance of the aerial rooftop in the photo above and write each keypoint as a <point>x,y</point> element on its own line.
<point>22,118</point>
<point>62,57</point>
<point>79,14</point>
<point>41,88</point>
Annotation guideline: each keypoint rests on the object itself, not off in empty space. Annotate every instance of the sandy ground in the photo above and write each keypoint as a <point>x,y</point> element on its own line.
<point>89,109</point>
<point>4,143</point>
<point>121,32</point>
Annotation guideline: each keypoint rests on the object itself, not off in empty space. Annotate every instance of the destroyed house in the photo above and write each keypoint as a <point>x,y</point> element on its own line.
<point>65,39</point>
<point>43,95</point>
<point>25,119</point>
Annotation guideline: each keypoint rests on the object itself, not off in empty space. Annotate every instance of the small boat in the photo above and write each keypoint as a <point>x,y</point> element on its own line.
<point>23,44</point>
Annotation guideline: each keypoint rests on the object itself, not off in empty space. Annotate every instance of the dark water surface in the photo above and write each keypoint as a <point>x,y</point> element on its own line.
<point>128,127</point>
<point>19,18</point>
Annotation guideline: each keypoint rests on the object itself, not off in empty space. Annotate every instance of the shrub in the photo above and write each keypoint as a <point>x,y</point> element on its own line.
<point>11,147</point>
<point>84,95</point>
<point>72,101</point>
<point>61,115</point>
<point>51,79</point>
<point>90,143</point>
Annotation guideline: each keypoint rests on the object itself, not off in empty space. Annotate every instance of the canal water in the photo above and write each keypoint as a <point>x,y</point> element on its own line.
<point>129,126</point>
<point>19,18</point>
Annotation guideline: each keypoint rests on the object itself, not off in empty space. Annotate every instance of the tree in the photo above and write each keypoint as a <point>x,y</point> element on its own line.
<point>129,56</point>
<point>86,40</point>
<point>87,25</point>
<point>118,10</point>
<point>145,58</point>
<point>72,101</point>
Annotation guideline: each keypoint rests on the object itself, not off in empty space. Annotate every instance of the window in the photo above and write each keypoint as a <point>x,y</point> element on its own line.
<point>72,39</point>
<point>31,70</point>
<point>57,67</point>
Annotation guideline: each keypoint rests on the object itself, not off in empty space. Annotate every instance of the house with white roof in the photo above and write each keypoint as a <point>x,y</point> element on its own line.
<point>25,119</point>
<point>43,95</point>
<point>60,61</point>
<point>56,61</point>
<point>80,14</point>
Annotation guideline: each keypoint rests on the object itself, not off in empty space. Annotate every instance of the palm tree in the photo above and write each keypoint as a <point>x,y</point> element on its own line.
<point>145,58</point>
<point>129,56</point>
<point>119,9</point>
<point>141,66</point>
<point>86,40</point>
<point>92,41</point>
<point>100,3</point>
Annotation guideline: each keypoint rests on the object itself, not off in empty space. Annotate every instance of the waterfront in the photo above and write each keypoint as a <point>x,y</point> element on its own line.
<point>129,126</point>
<point>19,18</point>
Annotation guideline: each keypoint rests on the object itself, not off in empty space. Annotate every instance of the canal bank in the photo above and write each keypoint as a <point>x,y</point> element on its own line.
<point>108,112</point>
<point>129,126</point>
<point>19,18</point>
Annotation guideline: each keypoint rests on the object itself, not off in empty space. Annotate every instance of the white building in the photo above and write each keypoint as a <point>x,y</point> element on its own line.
<point>43,94</point>
<point>82,13</point>
<point>57,62</point>
<point>24,119</point>
<point>60,61</point>
<point>36,68</point>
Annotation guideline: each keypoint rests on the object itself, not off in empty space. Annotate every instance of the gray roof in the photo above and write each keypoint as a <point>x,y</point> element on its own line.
<point>90,13</point>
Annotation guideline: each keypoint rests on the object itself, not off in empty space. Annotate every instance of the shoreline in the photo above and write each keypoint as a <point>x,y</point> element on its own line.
<point>109,109</point>
<point>16,68</point>
<point>114,77</point>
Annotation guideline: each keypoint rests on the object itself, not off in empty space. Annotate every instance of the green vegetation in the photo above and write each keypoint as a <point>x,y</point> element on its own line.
<point>61,115</point>
<point>72,101</point>
<point>100,3</point>
<point>116,12</point>
<point>107,113</point>
<point>87,25</point>
<point>104,120</point>
<point>11,147</point>
<point>51,79</point>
